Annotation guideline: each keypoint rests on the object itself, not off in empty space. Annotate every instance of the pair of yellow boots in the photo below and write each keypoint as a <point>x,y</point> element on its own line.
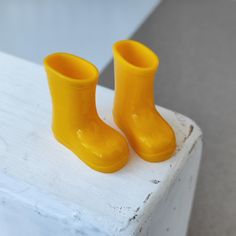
<point>76,124</point>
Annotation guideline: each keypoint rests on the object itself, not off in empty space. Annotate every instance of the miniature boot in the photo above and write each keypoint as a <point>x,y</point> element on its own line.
<point>134,110</point>
<point>75,123</point>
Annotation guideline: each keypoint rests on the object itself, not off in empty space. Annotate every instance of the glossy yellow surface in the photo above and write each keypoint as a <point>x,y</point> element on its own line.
<point>76,124</point>
<point>134,109</point>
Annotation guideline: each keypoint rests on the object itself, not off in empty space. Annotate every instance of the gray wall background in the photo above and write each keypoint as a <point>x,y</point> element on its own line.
<point>196,43</point>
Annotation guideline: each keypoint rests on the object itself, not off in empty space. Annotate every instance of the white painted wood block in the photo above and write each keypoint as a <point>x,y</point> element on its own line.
<point>45,190</point>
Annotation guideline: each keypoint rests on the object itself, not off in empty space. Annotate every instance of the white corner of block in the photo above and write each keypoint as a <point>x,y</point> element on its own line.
<point>49,191</point>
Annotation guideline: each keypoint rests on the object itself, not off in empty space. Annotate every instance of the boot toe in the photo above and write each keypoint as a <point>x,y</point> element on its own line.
<point>110,153</point>
<point>157,147</point>
<point>115,149</point>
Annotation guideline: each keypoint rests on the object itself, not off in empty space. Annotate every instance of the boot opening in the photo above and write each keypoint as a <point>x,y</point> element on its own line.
<point>136,54</point>
<point>71,66</point>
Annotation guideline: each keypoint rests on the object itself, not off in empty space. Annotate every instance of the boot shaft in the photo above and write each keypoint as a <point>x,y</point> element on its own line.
<point>72,82</point>
<point>135,67</point>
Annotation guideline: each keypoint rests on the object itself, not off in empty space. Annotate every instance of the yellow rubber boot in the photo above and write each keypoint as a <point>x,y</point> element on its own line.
<point>134,110</point>
<point>76,124</point>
